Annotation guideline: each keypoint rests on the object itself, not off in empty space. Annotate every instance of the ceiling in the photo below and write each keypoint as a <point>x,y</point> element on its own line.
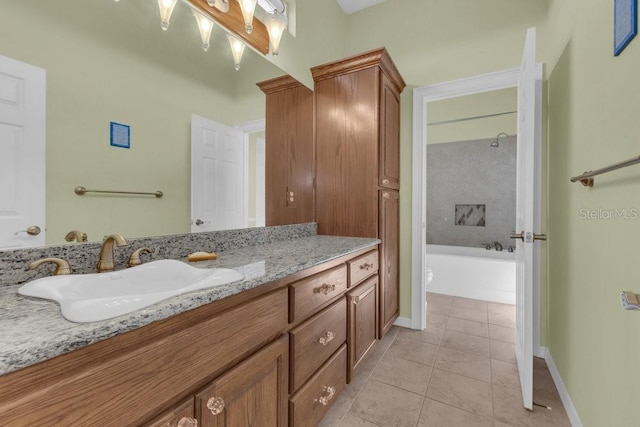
<point>351,6</point>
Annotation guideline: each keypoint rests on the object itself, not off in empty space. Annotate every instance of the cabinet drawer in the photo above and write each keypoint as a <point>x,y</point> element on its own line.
<point>362,267</point>
<point>311,403</point>
<point>310,294</point>
<point>315,340</point>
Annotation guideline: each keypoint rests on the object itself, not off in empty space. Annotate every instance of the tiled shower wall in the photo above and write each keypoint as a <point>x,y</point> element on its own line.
<point>471,173</point>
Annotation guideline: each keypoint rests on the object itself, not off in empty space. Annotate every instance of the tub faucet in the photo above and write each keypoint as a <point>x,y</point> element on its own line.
<point>106,262</point>
<point>496,245</point>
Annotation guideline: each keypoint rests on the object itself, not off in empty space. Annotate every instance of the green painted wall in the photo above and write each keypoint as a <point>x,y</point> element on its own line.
<point>593,104</point>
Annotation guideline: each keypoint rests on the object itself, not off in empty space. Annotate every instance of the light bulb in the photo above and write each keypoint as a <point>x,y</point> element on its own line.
<point>276,24</point>
<point>237,48</point>
<point>221,5</point>
<point>166,9</point>
<point>205,25</point>
<point>248,7</point>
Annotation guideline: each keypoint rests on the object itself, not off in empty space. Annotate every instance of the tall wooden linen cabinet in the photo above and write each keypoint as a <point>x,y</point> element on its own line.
<point>357,139</point>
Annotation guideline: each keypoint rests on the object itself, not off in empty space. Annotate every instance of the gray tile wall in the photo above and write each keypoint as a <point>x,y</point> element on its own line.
<point>471,172</point>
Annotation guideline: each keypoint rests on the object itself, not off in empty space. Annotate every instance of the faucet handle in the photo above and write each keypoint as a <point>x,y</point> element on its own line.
<point>134,258</point>
<point>78,236</point>
<point>62,266</point>
<point>117,238</point>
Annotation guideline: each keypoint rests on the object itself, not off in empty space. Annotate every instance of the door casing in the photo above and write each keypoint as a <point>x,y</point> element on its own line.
<point>421,96</point>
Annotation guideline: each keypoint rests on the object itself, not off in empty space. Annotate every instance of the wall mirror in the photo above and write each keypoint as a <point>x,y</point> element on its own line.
<point>110,61</point>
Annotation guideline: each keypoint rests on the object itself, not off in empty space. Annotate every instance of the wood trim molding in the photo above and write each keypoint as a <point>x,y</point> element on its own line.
<point>233,22</point>
<point>377,57</point>
<point>278,84</point>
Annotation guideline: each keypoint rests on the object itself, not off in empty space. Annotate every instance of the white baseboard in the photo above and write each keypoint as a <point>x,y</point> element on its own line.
<point>404,322</point>
<point>572,413</point>
<point>540,352</point>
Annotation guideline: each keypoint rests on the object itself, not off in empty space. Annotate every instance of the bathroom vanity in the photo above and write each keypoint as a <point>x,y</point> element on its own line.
<point>274,349</point>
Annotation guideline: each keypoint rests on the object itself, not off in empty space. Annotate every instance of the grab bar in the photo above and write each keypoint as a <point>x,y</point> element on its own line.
<point>81,191</point>
<point>587,178</point>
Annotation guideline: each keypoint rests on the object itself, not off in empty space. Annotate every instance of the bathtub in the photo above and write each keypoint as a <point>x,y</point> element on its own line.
<point>472,273</point>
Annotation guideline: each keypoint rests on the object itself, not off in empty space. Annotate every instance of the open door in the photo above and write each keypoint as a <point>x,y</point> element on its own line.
<point>22,154</point>
<point>217,176</point>
<point>525,216</point>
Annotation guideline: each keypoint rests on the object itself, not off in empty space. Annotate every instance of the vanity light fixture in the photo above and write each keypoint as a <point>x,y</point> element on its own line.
<point>205,25</point>
<point>237,48</point>
<point>166,9</point>
<point>221,5</point>
<point>276,23</point>
<point>248,7</point>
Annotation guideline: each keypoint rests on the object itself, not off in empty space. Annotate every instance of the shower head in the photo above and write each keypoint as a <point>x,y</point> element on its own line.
<point>496,143</point>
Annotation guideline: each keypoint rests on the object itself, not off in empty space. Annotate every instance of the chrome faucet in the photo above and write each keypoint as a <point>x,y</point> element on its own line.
<point>106,262</point>
<point>496,245</point>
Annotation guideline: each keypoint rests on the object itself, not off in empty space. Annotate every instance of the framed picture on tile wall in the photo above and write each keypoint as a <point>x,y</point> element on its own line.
<point>625,24</point>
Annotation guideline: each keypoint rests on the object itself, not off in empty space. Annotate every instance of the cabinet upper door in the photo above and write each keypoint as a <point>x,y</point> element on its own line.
<point>254,393</point>
<point>346,154</point>
<point>389,173</point>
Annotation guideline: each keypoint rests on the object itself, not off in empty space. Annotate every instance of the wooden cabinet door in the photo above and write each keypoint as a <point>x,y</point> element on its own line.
<point>254,393</point>
<point>346,154</point>
<point>363,322</point>
<point>178,416</point>
<point>289,152</point>
<point>389,259</point>
<point>389,173</point>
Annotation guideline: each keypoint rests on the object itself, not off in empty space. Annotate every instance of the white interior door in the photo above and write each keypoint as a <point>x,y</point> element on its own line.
<point>525,208</point>
<point>217,176</point>
<point>260,184</point>
<point>22,154</point>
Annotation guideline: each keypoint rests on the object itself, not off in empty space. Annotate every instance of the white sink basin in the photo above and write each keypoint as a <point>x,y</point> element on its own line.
<point>93,297</point>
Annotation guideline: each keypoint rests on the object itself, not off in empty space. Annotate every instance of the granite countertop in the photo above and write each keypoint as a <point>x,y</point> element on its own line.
<point>33,330</point>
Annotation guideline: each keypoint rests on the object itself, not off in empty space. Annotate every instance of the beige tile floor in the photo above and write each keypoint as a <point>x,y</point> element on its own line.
<point>459,372</point>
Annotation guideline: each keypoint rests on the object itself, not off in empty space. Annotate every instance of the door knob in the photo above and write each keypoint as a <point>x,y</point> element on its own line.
<point>518,235</point>
<point>33,230</point>
<point>539,236</point>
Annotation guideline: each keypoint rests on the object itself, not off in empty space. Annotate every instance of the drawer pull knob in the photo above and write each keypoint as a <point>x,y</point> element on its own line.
<point>187,422</point>
<point>366,266</point>
<point>385,181</point>
<point>216,405</point>
<point>356,299</point>
<point>386,195</point>
<point>327,338</point>
<point>325,289</point>
<point>330,392</point>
